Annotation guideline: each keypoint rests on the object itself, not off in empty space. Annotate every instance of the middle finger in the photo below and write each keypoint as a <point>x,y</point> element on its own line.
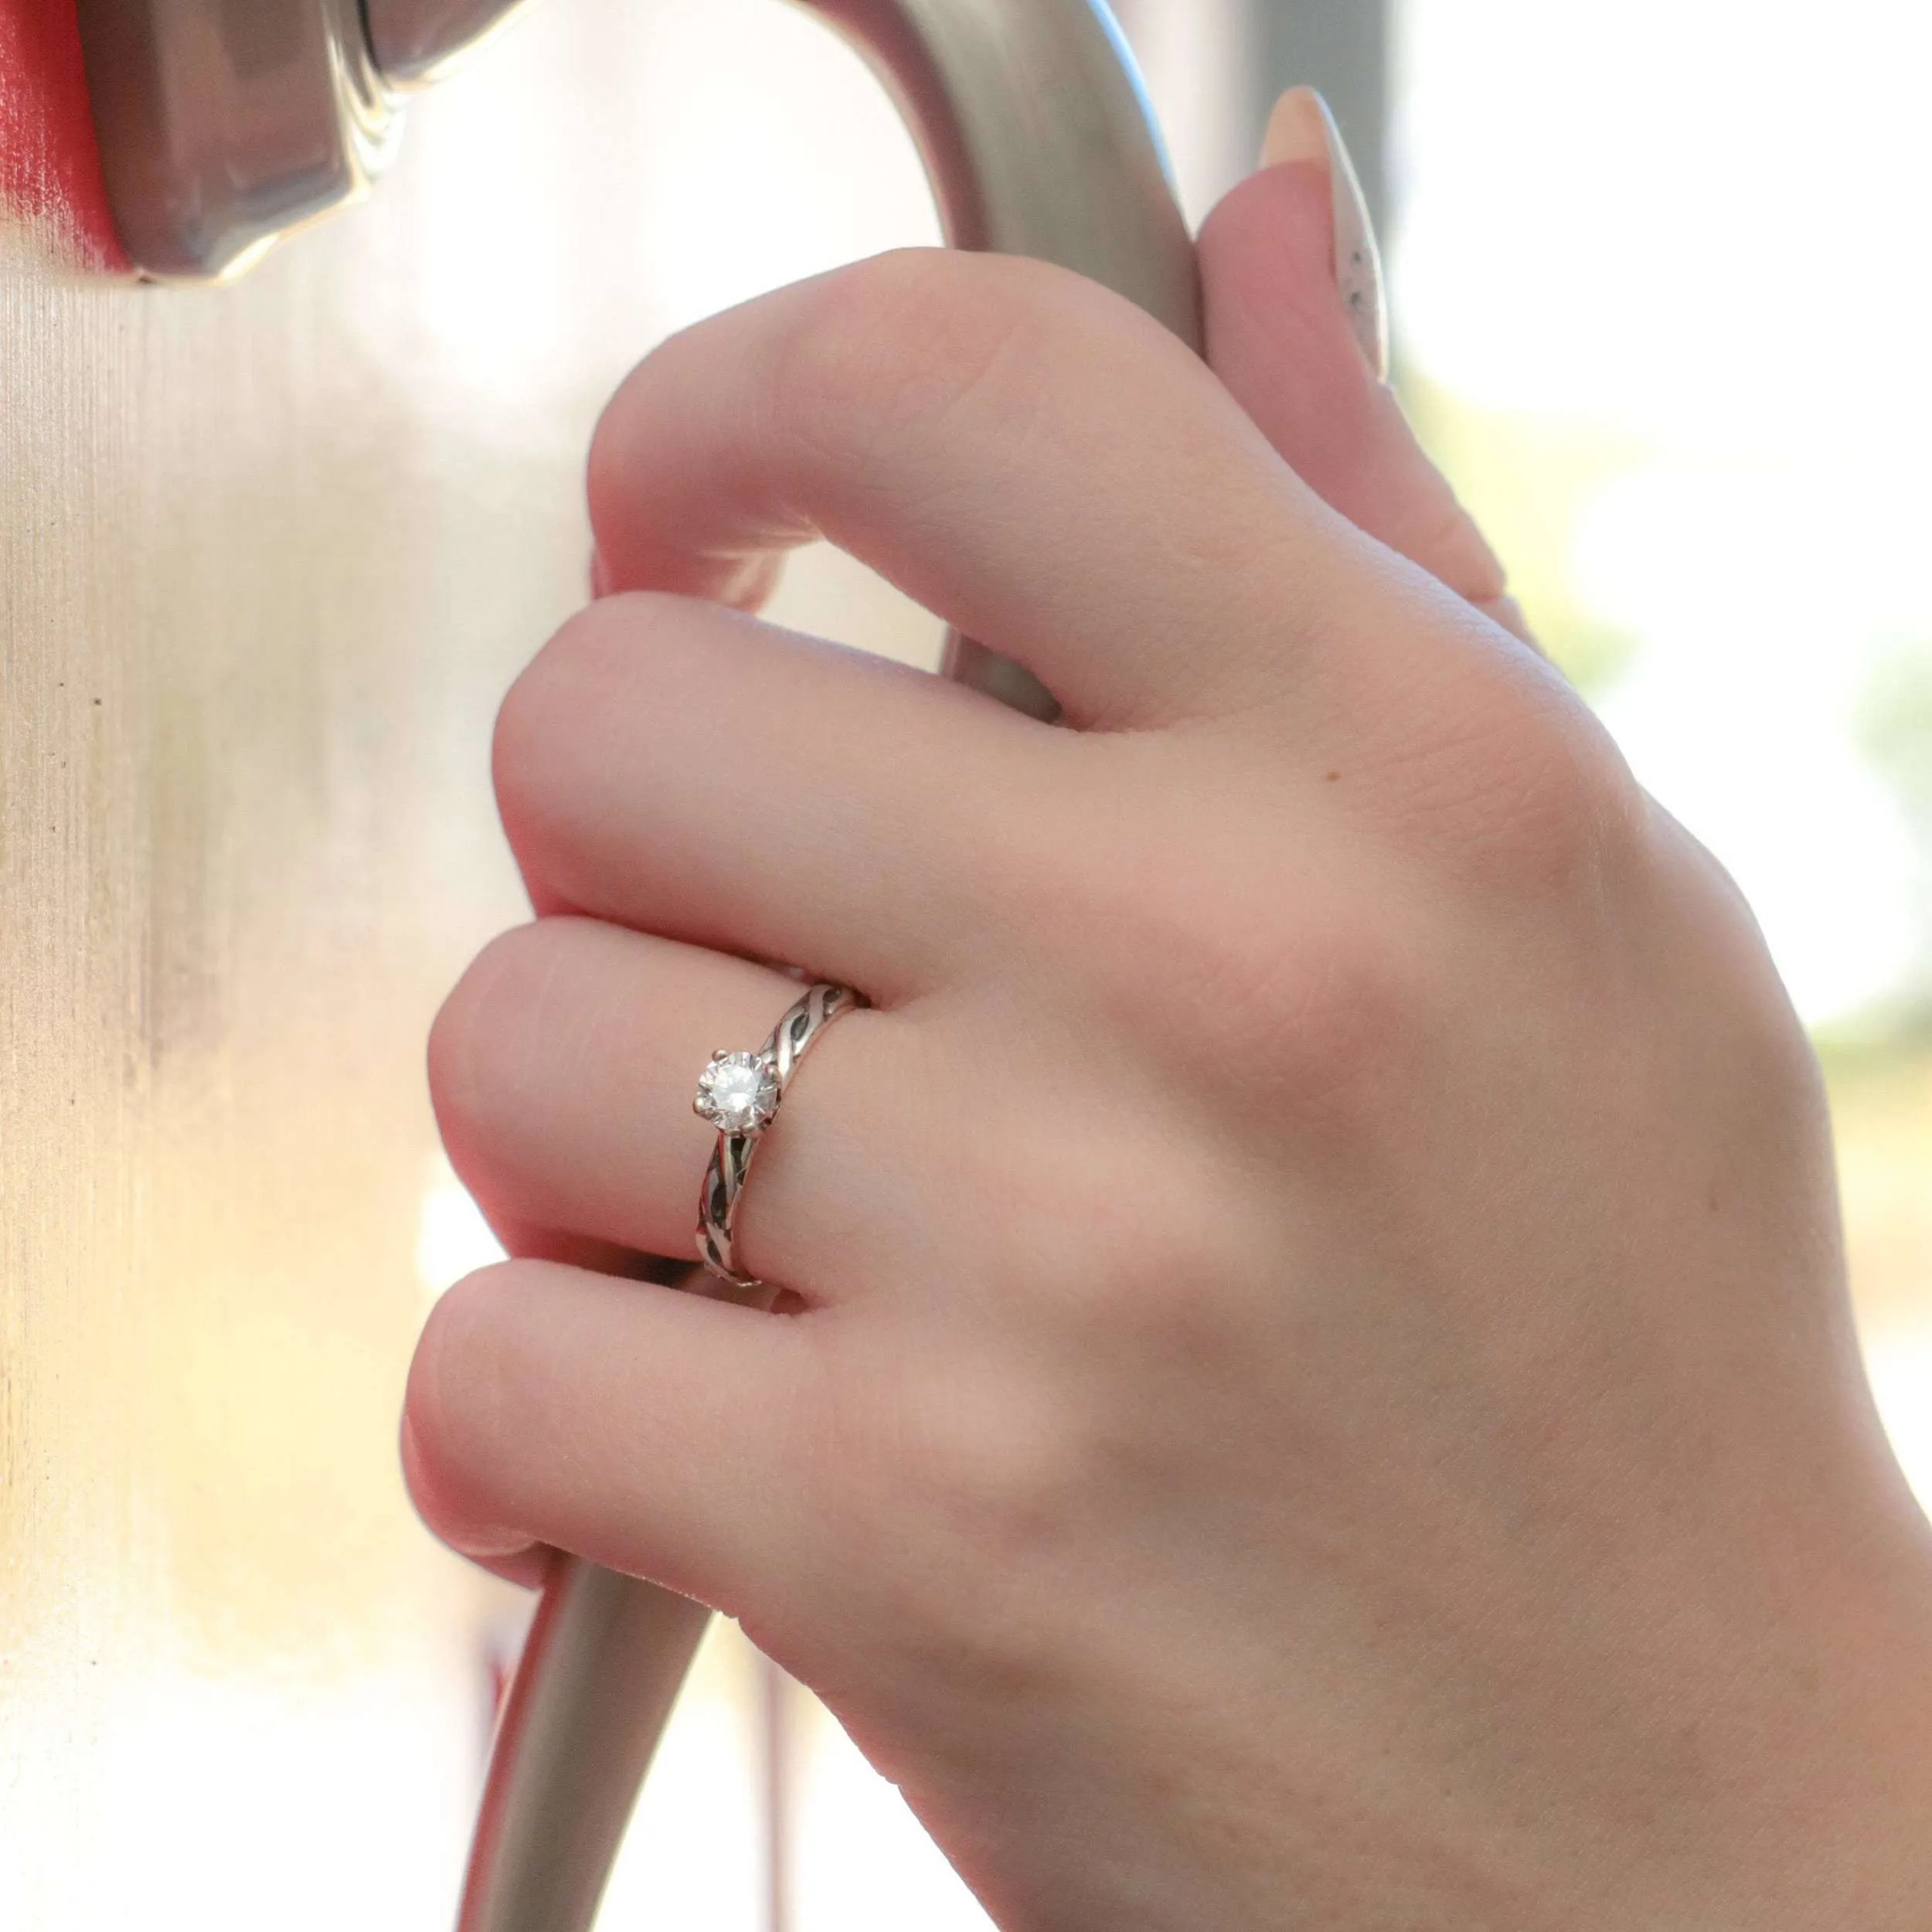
<point>690,772</point>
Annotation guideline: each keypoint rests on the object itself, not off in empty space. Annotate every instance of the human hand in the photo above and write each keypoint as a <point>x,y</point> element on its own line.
<point>1319,1392</point>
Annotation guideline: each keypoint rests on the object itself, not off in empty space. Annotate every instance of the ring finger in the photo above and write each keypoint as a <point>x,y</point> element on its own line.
<point>563,1068</point>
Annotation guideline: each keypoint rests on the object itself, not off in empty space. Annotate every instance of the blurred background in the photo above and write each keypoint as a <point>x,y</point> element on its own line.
<point>1660,277</point>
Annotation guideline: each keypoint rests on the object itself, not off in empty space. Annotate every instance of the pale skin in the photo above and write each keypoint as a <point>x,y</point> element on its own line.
<point>1315,1388</point>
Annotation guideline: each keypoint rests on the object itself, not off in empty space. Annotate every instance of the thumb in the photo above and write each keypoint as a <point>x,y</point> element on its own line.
<point>1296,330</point>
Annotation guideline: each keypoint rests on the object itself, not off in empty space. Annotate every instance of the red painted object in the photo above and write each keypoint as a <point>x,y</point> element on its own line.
<point>49,166</point>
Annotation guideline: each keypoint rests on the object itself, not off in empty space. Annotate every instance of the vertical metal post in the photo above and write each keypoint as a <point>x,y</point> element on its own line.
<point>1216,68</point>
<point>1344,47</point>
<point>778,1708</point>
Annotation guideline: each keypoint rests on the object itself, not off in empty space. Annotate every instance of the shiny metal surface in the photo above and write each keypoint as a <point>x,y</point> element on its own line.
<point>224,126</point>
<point>1037,136</point>
<point>577,1737</point>
<point>415,40</point>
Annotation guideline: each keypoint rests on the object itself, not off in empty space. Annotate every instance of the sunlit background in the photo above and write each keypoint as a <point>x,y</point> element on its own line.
<point>1661,273</point>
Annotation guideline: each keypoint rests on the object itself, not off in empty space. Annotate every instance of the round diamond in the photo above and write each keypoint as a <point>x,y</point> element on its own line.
<point>738,1093</point>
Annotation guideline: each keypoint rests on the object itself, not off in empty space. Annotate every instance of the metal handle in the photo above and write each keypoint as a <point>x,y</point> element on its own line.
<point>602,1667</point>
<point>223,126</point>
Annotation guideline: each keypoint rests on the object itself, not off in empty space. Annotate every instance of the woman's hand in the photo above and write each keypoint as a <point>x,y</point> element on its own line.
<point>1319,1391</point>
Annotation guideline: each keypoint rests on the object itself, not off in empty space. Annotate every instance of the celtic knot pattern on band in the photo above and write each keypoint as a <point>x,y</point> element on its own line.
<point>741,1095</point>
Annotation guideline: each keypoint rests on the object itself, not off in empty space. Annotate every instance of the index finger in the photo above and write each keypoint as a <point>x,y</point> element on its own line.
<point>1021,451</point>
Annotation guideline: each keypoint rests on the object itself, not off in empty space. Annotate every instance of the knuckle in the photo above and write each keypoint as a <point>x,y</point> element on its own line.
<point>461,1418</point>
<point>1120,1245</point>
<point>595,660</point>
<point>992,1468</point>
<point>901,341</point>
<point>1146,1273</point>
<point>528,748</point>
<point>1347,1006</point>
<point>1293,1003</point>
<point>1560,809</point>
<point>1528,801</point>
<point>452,1400</point>
<point>1005,1479</point>
<point>478,1040</point>
<point>912,1507</point>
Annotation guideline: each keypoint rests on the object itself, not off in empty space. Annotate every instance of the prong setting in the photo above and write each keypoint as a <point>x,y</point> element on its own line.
<point>738,1093</point>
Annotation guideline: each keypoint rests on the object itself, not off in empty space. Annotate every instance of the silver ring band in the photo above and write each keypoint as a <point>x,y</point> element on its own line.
<point>739,1094</point>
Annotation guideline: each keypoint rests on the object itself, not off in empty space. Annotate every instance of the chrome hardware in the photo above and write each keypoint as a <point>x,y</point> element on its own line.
<point>223,126</point>
<point>415,40</point>
<point>601,1669</point>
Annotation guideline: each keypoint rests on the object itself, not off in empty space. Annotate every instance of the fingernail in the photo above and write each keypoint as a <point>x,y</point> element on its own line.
<point>1301,128</point>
